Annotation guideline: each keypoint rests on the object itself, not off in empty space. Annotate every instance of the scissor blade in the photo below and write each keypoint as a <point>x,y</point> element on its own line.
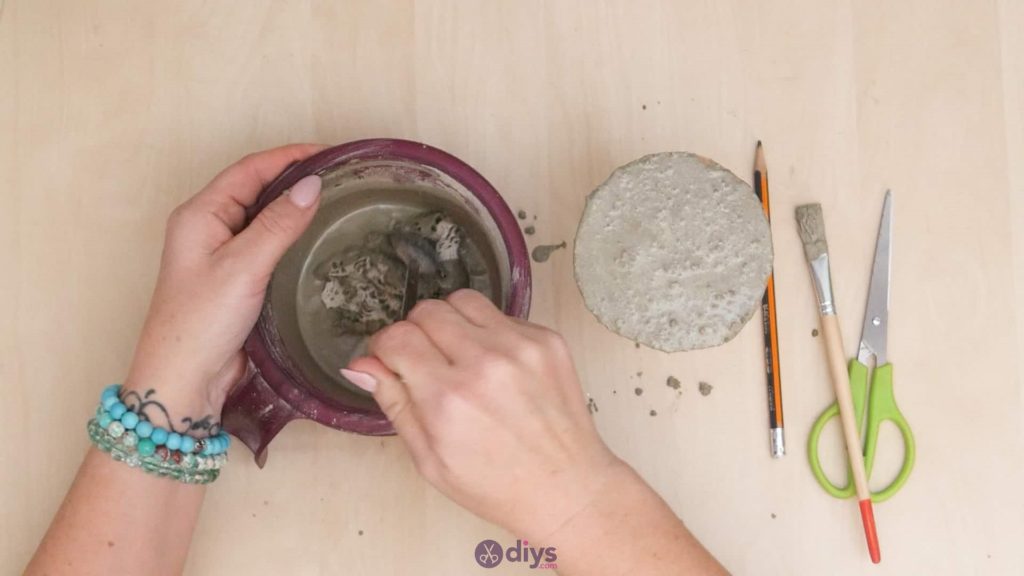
<point>874,333</point>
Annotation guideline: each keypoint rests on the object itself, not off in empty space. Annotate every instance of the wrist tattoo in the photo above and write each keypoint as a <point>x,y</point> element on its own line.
<point>153,411</point>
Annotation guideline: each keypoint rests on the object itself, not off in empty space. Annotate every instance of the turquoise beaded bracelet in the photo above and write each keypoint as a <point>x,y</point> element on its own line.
<point>116,418</point>
<point>131,438</point>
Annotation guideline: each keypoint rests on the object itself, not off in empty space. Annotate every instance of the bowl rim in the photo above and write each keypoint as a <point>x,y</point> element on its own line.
<point>307,400</point>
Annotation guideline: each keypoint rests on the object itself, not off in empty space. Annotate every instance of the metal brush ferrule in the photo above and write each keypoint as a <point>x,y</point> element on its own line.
<point>823,284</point>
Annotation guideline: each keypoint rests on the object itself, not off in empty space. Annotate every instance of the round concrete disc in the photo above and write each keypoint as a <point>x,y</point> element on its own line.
<point>674,252</point>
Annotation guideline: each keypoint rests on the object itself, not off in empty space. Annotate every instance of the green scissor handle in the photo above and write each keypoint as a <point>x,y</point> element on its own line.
<point>882,407</point>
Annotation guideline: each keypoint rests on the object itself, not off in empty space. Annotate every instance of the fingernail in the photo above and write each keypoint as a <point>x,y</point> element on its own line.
<point>361,379</point>
<point>305,191</point>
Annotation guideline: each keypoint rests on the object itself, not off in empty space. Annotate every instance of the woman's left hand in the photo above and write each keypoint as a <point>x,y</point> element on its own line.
<point>213,276</point>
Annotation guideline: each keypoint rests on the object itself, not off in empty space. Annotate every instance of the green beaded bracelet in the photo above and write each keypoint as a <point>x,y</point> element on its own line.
<point>126,447</point>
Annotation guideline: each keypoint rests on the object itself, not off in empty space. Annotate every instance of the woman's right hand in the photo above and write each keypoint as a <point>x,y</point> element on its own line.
<point>491,410</point>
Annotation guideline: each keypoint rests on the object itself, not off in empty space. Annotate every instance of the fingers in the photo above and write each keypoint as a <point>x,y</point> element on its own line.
<point>392,396</point>
<point>238,185</point>
<point>262,244</point>
<point>476,307</point>
<point>455,336</point>
<point>406,350</point>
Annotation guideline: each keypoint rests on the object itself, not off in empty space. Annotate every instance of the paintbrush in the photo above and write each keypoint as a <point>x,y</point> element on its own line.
<point>812,233</point>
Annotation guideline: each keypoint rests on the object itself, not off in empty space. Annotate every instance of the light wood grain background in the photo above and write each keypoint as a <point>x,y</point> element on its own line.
<point>111,113</point>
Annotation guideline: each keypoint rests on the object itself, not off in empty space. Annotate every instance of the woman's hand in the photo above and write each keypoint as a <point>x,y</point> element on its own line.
<point>213,276</point>
<point>492,411</point>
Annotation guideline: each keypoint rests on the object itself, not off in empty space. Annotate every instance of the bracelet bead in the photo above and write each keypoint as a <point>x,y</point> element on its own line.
<point>188,444</point>
<point>159,436</point>
<point>130,420</point>
<point>117,410</point>
<point>104,420</point>
<point>110,391</point>
<point>146,447</point>
<point>116,429</point>
<point>130,439</point>
<point>144,429</point>
<point>173,441</point>
<point>108,401</point>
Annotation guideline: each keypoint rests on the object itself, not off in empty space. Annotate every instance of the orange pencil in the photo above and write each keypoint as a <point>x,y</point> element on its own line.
<point>769,324</point>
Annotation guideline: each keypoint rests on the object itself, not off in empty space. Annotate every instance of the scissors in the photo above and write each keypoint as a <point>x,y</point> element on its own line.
<point>881,401</point>
<point>489,558</point>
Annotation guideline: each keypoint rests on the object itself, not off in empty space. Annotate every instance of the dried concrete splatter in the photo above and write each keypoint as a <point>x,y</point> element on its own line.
<point>673,383</point>
<point>543,252</point>
<point>638,391</point>
<point>637,344</point>
<point>639,373</point>
<point>530,230</point>
<point>705,388</point>
<point>814,333</point>
<point>360,532</point>
<point>522,214</point>
<point>654,412</point>
<point>773,515</point>
<point>592,406</point>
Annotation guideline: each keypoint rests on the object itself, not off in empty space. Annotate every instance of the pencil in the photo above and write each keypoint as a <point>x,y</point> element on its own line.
<point>769,323</point>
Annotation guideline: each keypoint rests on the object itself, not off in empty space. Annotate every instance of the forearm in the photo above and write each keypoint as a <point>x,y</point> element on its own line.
<point>117,519</point>
<point>628,529</point>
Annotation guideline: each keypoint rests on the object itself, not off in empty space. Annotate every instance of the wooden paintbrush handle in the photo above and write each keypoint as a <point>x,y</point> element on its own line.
<point>841,381</point>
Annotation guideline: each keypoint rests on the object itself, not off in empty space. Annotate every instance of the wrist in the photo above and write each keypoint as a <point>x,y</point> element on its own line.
<point>172,399</point>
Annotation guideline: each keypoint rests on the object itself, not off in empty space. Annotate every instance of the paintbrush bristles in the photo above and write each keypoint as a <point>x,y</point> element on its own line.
<point>811,224</point>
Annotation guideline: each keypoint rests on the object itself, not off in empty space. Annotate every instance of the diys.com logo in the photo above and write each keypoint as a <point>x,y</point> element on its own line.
<point>490,553</point>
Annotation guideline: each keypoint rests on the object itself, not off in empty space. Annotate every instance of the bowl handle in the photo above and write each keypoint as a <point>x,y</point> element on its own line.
<point>254,413</point>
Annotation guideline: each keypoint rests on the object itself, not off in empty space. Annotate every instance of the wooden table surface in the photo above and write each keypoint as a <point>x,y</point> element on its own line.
<point>111,113</point>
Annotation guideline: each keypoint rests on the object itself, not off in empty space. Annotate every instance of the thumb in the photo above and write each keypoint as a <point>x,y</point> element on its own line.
<point>392,396</point>
<point>387,388</point>
<point>265,240</point>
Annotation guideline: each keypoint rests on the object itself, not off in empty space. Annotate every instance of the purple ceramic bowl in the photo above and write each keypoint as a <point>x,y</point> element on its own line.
<point>274,390</point>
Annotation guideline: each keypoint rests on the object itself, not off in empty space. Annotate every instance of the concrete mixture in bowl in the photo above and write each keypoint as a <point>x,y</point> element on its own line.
<point>364,286</point>
<point>674,252</point>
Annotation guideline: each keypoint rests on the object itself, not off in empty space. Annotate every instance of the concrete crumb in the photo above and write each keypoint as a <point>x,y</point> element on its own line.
<point>360,532</point>
<point>814,333</point>
<point>530,230</point>
<point>673,383</point>
<point>637,344</point>
<point>773,515</point>
<point>705,388</point>
<point>640,373</point>
<point>639,391</point>
<point>592,406</point>
<point>654,412</point>
<point>644,106</point>
<point>543,252</point>
<point>522,214</point>
<point>615,391</point>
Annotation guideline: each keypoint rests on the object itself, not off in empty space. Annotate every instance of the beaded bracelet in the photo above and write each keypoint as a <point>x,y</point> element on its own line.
<point>187,468</point>
<point>118,418</point>
<point>129,437</point>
